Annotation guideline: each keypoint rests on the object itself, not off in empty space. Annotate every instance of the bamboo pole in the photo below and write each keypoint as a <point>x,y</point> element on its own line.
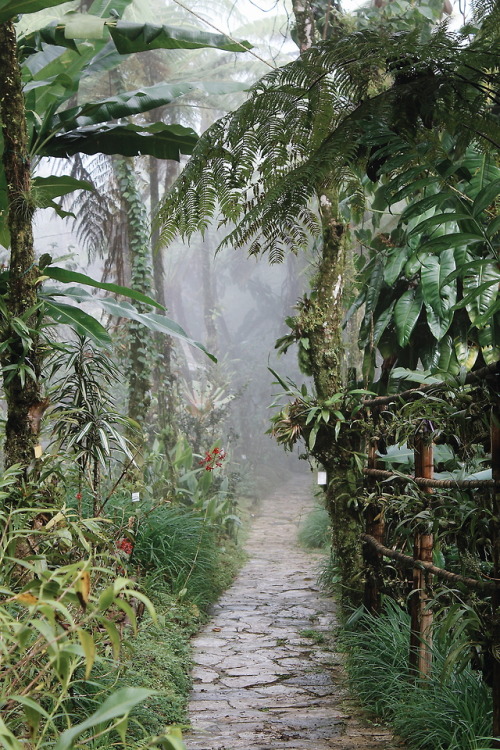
<point>420,660</point>
<point>375,527</point>
<point>495,538</point>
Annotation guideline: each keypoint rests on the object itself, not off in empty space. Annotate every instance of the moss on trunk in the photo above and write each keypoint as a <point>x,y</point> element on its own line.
<point>320,320</point>
<point>24,403</point>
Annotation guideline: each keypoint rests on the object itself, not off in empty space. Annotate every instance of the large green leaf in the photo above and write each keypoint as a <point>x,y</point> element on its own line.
<point>452,241</point>
<point>11,8</point>
<point>483,286</point>
<point>135,102</point>
<point>73,277</point>
<point>417,208</point>
<point>439,297</point>
<point>138,37</point>
<point>381,323</point>
<point>162,141</point>
<point>394,264</point>
<point>486,197</point>
<point>118,704</point>
<point>406,313</point>
<point>438,220</point>
<point>48,188</point>
<point>78,319</point>
<point>157,323</point>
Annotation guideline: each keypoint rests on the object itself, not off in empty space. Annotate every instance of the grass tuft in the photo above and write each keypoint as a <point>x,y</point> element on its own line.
<point>449,711</point>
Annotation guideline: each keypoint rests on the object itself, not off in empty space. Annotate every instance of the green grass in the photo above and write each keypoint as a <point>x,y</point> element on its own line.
<point>450,711</point>
<point>315,530</point>
<point>314,635</point>
<point>180,553</point>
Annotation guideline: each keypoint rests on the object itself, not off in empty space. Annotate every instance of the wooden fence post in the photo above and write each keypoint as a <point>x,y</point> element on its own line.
<point>495,539</point>
<point>375,526</point>
<point>421,616</point>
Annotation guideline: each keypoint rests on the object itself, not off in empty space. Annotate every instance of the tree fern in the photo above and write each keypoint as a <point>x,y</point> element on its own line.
<point>303,130</point>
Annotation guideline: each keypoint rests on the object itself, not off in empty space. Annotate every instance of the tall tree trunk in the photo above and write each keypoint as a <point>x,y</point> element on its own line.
<point>139,339</point>
<point>22,357</point>
<point>163,376</point>
<point>209,297</point>
<point>321,321</point>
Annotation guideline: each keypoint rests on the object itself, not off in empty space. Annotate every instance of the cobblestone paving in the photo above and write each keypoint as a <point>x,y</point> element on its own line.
<point>262,679</point>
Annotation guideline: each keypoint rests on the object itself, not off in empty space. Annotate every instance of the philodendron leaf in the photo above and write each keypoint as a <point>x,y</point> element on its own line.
<point>139,37</point>
<point>117,705</point>
<point>406,314</point>
<point>73,277</point>
<point>439,294</point>
<point>482,289</point>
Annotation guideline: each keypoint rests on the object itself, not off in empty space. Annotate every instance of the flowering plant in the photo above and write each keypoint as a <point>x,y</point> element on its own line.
<point>213,458</point>
<point>125,545</point>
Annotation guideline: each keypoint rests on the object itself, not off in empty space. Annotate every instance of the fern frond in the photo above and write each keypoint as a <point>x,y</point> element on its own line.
<point>315,122</point>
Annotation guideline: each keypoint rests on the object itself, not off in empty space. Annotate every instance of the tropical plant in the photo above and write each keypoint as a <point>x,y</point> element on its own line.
<point>86,424</point>
<point>57,623</point>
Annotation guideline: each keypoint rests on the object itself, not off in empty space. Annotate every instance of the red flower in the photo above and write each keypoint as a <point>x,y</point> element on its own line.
<point>78,495</point>
<point>125,545</point>
<point>213,458</point>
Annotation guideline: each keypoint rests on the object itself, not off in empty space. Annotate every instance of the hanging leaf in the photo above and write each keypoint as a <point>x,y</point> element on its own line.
<point>162,141</point>
<point>439,297</point>
<point>89,650</point>
<point>152,321</point>
<point>406,313</point>
<point>73,277</point>
<point>382,321</point>
<point>452,241</point>
<point>135,102</point>
<point>438,220</point>
<point>47,188</point>
<point>138,37</point>
<point>394,264</point>
<point>81,321</point>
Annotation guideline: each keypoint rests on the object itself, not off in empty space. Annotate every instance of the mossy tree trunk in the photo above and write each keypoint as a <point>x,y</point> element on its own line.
<point>163,376</point>
<point>21,355</point>
<point>139,339</point>
<point>320,321</point>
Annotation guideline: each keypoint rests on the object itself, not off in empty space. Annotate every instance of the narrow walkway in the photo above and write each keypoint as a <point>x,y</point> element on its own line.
<point>266,676</point>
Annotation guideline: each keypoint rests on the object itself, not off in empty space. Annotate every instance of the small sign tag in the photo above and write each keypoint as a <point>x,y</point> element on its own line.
<point>321,477</point>
<point>38,450</point>
<point>136,497</point>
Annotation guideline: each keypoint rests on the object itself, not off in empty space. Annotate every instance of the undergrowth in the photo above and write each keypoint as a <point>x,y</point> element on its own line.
<point>315,529</point>
<point>177,551</point>
<point>449,711</point>
<point>184,563</point>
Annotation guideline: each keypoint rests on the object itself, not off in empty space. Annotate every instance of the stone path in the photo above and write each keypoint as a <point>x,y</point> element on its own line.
<point>266,674</point>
